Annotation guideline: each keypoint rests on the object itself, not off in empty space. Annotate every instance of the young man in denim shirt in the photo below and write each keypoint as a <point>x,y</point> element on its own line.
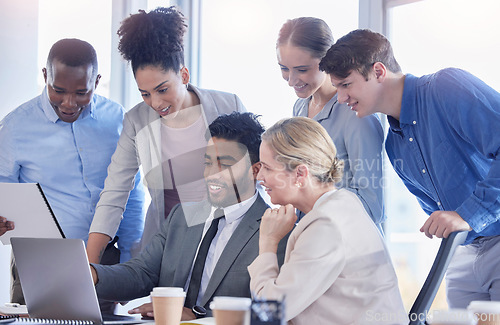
<point>443,142</point>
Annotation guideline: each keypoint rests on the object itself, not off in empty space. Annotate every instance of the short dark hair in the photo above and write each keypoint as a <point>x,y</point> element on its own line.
<point>359,51</point>
<point>154,38</point>
<point>243,128</point>
<point>74,53</point>
<point>311,34</point>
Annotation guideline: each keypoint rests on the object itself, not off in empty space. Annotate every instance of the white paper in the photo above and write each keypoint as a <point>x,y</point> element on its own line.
<point>24,204</point>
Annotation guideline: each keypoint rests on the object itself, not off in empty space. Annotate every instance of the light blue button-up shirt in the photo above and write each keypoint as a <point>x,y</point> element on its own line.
<point>445,147</point>
<point>70,161</point>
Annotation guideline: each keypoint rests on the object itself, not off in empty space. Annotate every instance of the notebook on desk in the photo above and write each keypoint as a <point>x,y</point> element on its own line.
<point>57,282</point>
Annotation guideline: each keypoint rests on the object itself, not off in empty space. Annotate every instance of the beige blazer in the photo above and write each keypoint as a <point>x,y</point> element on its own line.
<point>337,269</point>
<point>140,146</point>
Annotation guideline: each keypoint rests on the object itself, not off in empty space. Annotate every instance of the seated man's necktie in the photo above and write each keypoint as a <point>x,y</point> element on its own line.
<point>199,264</point>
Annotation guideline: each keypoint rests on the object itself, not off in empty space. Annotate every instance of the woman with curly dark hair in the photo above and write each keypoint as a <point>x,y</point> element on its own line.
<point>165,134</point>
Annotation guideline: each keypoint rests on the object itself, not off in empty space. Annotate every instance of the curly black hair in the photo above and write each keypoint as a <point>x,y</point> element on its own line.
<point>244,128</point>
<point>154,38</point>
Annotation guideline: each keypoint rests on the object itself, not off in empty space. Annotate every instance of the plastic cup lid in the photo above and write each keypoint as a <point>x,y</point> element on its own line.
<point>487,307</point>
<point>231,303</point>
<point>168,292</point>
<point>453,316</point>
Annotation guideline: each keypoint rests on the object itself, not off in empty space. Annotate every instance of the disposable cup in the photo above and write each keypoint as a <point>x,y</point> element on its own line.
<point>231,310</point>
<point>167,305</point>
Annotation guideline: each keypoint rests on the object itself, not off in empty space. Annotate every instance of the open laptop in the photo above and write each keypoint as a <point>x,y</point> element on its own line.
<point>57,282</point>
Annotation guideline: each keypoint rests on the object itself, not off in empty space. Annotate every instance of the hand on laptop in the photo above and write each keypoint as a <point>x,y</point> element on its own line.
<point>146,310</point>
<point>5,225</point>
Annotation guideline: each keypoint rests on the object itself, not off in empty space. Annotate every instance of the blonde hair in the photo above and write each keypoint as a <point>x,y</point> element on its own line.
<point>301,140</point>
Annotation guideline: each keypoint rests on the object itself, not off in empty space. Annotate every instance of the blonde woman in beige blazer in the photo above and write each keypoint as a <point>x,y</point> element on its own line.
<point>165,135</point>
<point>337,269</point>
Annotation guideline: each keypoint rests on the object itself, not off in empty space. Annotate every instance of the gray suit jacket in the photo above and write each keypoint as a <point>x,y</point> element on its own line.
<point>167,260</point>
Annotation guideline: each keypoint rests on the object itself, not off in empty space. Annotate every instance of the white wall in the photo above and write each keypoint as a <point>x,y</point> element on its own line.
<point>238,48</point>
<point>18,73</point>
<point>19,51</point>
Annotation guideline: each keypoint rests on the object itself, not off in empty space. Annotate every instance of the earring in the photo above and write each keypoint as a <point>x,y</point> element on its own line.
<point>298,184</point>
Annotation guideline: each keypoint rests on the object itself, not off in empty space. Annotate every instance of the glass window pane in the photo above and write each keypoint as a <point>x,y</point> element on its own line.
<point>431,35</point>
<point>153,4</point>
<point>238,48</point>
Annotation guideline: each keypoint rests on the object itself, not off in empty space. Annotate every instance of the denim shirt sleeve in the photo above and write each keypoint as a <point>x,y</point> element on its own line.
<point>477,121</point>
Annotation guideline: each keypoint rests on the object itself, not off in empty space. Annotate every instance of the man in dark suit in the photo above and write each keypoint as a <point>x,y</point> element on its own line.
<point>173,258</point>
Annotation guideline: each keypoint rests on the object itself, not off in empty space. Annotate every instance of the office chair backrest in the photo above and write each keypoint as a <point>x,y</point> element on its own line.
<point>420,308</point>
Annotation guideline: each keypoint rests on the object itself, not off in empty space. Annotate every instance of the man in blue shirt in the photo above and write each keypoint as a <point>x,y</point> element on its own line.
<point>443,142</point>
<point>64,139</point>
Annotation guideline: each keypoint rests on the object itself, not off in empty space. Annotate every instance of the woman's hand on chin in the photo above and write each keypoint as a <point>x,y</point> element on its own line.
<point>275,224</point>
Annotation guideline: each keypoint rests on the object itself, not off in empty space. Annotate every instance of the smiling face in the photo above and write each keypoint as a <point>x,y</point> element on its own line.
<point>229,174</point>
<point>277,180</point>
<point>70,89</point>
<point>164,91</point>
<point>360,94</point>
<point>300,70</point>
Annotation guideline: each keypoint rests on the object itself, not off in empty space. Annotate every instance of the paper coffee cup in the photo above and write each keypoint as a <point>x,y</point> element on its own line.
<point>452,317</point>
<point>231,310</point>
<point>167,305</point>
<point>487,312</point>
